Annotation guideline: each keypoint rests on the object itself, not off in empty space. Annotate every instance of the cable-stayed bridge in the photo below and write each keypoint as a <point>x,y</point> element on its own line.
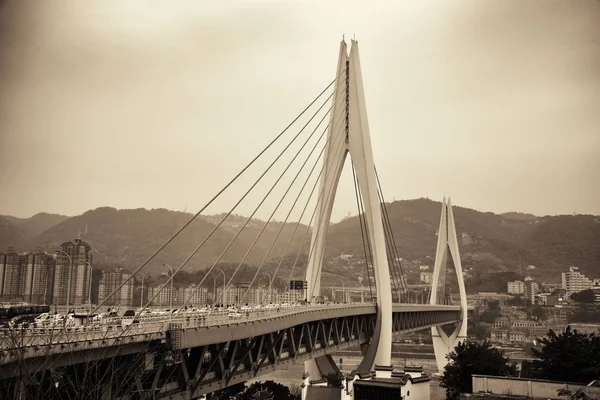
<point>187,354</point>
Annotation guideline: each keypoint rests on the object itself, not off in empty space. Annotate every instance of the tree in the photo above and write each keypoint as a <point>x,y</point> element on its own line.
<point>489,316</point>
<point>334,379</point>
<point>266,391</point>
<point>585,296</point>
<point>470,358</point>
<point>569,356</point>
<point>538,313</point>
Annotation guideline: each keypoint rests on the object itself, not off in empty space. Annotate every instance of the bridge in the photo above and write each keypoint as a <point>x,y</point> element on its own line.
<point>184,356</point>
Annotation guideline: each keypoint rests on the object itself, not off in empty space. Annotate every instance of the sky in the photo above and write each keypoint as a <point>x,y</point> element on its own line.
<point>157,104</point>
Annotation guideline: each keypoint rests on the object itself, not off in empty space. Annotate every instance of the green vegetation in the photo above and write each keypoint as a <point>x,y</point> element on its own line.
<point>585,314</point>
<point>470,358</point>
<point>492,244</point>
<point>268,390</point>
<point>585,296</point>
<point>569,356</point>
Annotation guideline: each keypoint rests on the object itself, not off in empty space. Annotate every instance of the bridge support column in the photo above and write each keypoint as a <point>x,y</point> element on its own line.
<point>447,245</point>
<point>349,134</point>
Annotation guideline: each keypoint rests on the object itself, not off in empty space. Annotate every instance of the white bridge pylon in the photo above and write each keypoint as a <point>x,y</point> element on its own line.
<point>349,134</point>
<point>447,245</point>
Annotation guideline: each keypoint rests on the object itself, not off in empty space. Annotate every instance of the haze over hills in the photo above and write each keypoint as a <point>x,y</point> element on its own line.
<point>488,242</point>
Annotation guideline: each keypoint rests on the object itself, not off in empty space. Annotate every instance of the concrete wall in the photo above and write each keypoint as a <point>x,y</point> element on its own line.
<point>418,391</point>
<point>535,388</point>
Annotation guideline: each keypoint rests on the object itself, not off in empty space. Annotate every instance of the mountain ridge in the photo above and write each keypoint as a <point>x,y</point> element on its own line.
<point>488,242</point>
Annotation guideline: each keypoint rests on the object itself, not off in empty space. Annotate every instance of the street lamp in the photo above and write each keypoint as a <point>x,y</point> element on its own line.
<point>69,279</point>
<point>270,284</point>
<point>89,286</point>
<point>142,293</point>
<point>362,296</point>
<point>344,297</point>
<point>260,295</point>
<point>171,296</point>
<point>215,286</point>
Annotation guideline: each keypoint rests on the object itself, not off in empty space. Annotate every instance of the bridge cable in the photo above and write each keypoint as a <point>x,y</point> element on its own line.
<point>138,269</point>
<point>240,200</point>
<point>392,257</point>
<point>285,194</point>
<point>327,145</point>
<point>395,248</point>
<point>310,221</point>
<point>362,215</point>
<point>329,194</point>
<point>288,214</point>
<point>389,251</point>
<point>362,233</point>
<point>229,283</point>
<point>164,285</point>
<point>322,191</point>
<point>394,265</point>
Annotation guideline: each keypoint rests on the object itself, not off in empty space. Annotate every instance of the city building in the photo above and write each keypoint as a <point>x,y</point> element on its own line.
<point>425,277</point>
<point>10,271</point>
<point>161,295</point>
<point>531,289</point>
<point>74,259</point>
<point>242,293</point>
<point>291,296</point>
<point>109,282</point>
<point>557,297</point>
<point>574,281</point>
<point>38,278</point>
<point>596,289</point>
<point>516,287</point>
<point>26,277</point>
<point>192,296</point>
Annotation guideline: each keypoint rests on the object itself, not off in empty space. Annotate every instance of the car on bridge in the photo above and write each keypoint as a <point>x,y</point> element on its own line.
<point>234,314</point>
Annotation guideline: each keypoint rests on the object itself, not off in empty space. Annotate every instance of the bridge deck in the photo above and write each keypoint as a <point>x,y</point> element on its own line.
<point>41,342</point>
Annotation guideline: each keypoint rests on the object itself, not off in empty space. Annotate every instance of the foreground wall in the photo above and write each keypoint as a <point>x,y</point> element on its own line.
<point>535,388</point>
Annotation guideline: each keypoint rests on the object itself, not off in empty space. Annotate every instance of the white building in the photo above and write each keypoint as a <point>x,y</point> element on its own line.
<point>192,296</point>
<point>242,293</point>
<point>516,287</point>
<point>574,281</point>
<point>163,295</point>
<point>425,277</point>
<point>109,282</point>
<point>291,296</point>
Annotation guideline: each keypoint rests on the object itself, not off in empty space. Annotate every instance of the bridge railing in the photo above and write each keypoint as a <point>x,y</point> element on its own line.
<point>11,338</point>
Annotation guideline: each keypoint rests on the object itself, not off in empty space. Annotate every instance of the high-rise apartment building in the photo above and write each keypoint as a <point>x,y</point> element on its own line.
<point>531,289</point>
<point>242,293</point>
<point>516,287</point>
<point>74,258</point>
<point>26,276</point>
<point>574,281</point>
<point>109,282</point>
<point>162,295</point>
<point>11,287</point>
<point>291,296</point>
<point>192,296</point>
<point>39,278</point>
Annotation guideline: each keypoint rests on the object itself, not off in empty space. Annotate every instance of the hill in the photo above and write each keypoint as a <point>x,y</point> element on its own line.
<point>37,224</point>
<point>129,237</point>
<point>489,243</point>
<point>11,235</point>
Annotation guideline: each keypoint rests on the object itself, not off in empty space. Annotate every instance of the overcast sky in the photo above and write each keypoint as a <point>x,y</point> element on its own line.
<point>153,104</point>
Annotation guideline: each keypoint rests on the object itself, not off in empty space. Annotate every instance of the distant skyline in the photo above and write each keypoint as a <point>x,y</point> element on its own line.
<point>158,104</point>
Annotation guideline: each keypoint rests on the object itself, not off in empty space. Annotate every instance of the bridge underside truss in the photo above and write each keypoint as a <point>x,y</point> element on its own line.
<point>165,369</point>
